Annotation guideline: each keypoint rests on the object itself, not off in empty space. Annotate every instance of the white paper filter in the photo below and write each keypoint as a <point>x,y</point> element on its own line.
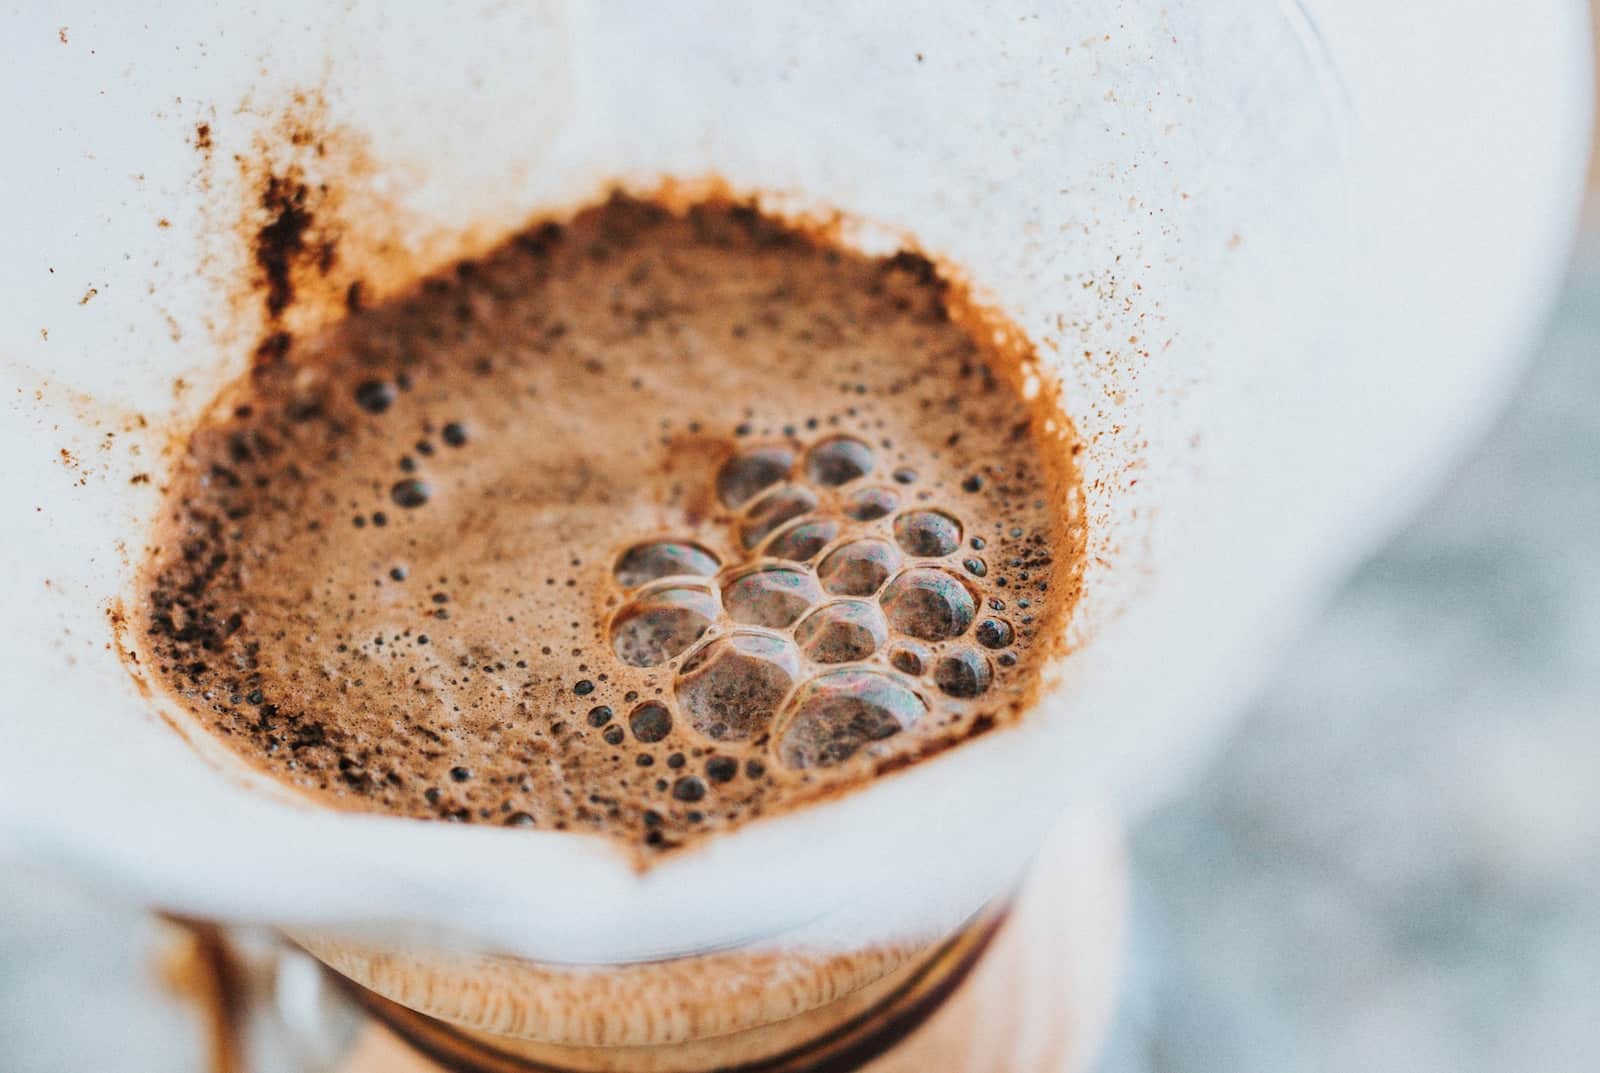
<point>1284,257</point>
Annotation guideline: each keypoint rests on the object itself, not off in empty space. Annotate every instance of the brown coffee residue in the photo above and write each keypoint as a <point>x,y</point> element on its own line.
<point>644,524</point>
<point>296,175</point>
<point>285,243</point>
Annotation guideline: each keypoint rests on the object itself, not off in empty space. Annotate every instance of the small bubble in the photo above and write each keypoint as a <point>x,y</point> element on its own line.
<point>771,596</point>
<point>962,673</point>
<point>519,819</point>
<point>977,543</point>
<point>835,714</point>
<point>994,633</point>
<point>928,604</point>
<point>657,559</point>
<point>927,534</point>
<point>399,573</point>
<point>722,768</point>
<point>676,760</point>
<point>583,687</point>
<point>858,568</point>
<point>842,631</point>
<point>800,540</point>
<point>454,434</point>
<point>838,460</point>
<point>688,788</point>
<point>661,622</point>
<point>908,657</point>
<point>650,721</point>
<point>973,483</point>
<point>409,493</point>
<point>905,475</point>
<point>975,566</point>
<point>1007,659</point>
<point>380,519</point>
<point>644,760</point>
<point>781,505</point>
<point>599,715</point>
<point>613,735</point>
<point>754,769</point>
<point>730,688</point>
<point>870,504</point>
<point>375,396</point>
<point>460,774</point>
<point>752,471</point>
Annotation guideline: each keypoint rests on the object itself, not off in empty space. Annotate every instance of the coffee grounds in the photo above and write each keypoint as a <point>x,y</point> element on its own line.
<point>646,525</point>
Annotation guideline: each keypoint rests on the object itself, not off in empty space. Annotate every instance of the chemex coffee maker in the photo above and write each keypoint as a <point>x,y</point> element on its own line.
<point>1283,258</point>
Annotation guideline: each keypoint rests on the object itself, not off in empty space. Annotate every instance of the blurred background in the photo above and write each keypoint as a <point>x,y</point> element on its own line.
<point>1393,865</point>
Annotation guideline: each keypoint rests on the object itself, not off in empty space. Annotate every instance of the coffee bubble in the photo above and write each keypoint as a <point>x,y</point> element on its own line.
<point>657,559</point>
<point>688,788</point>
<point>799,541</point>
<point>750,472</point>
<point>908,657</point>
<point>928,604</point>
<point>783,504</point>
<point>410,493</point>
<point>838,460</point>
<point>858,568</point>
<point>927,534</point>
<point>650,721</point>
<point>375,396</point>
<point>771,596</point>
<point>730,688</point>
<point>842,631</point>
<point>660,622</point>
<point>835,714</point>
<point>994,633</point>
<point>870,504</point>
<point>963,672</point>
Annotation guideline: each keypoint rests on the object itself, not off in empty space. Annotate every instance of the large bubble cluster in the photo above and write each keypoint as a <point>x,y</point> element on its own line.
<point>841,619</point>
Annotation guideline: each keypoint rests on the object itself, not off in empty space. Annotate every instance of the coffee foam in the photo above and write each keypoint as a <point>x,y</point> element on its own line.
<point>647,525</point>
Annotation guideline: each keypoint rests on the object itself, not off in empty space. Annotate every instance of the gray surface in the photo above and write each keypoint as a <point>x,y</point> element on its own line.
<point>1394,866</point>
<point>1396,863</point>
<point>78,987</point>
